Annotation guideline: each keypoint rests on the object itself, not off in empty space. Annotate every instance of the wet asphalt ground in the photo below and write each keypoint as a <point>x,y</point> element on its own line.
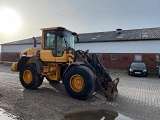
<point>138,99</point>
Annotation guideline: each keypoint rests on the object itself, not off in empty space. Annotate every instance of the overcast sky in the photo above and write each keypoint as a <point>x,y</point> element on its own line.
<point>81,16</point>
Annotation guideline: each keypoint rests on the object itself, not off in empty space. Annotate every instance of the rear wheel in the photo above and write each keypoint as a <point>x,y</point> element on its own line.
<point>29,77</point>
<point>79,82</point>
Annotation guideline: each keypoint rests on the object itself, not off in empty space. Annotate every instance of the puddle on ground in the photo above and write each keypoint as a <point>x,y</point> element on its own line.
<point>95,115</point>
<point>6,116</point>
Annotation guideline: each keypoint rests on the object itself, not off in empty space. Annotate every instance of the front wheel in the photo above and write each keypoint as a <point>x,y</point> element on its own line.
<point>79,82</point>
<point>29,77</point>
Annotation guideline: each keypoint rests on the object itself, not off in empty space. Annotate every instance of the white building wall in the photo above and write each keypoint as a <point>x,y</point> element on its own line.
<point>102,47</point>
<point>16,48</point>
<point>121,47</point>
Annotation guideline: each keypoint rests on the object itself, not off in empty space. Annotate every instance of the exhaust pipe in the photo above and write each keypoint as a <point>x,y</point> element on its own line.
<point>34,42</point>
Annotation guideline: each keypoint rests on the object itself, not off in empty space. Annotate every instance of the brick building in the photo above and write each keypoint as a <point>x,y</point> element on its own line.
<point>116,49</point>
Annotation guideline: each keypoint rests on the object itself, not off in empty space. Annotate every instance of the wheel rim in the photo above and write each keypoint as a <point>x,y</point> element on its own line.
<point>27,76</point>
<point>77,83</point>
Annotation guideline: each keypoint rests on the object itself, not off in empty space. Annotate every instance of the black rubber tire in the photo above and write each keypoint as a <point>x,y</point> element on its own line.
<point>36,81</point>
<point>158,73</point>
<point>40,81</point>
<point>89,82</point>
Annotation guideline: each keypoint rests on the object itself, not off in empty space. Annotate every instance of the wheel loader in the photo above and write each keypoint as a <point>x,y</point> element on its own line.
<point>57,60</point>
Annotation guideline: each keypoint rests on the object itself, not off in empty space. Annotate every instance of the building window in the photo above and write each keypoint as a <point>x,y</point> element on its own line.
<point>114,56</point>
<point>5,55</point>
<point>157,58</point>
<point>99,56</point>
<point>138,57</point>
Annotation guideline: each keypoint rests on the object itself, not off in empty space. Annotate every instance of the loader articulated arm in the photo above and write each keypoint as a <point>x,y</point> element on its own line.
<point>104,83</point>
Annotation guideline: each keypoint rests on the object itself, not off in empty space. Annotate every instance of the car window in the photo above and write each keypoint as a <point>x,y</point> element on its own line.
<point>138,65</point>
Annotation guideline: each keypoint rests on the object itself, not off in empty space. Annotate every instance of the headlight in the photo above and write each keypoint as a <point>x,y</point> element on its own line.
<point>130,70</point>
<point>144,70</point>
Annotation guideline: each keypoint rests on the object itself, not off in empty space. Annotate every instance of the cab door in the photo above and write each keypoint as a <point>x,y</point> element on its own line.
<point>49,51</point>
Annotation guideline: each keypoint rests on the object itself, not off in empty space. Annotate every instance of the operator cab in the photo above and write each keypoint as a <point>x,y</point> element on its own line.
<point>58,40</point>
<point>57,43</point>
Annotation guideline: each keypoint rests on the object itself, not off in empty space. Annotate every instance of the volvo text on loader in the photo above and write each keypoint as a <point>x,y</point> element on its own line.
<point>57,60</point>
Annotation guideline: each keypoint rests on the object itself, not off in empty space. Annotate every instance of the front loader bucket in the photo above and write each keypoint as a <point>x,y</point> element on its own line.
<point>105,85</point>
<point>112,90</point>
<point>109,90</point>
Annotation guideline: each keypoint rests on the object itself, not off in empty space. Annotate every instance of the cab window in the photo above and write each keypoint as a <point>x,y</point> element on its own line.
<point>50,41</point>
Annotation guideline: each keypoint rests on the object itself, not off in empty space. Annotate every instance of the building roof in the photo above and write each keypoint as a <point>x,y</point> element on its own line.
<point>24,41</point>
<point>122,35</point>
<point>111,36</point>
